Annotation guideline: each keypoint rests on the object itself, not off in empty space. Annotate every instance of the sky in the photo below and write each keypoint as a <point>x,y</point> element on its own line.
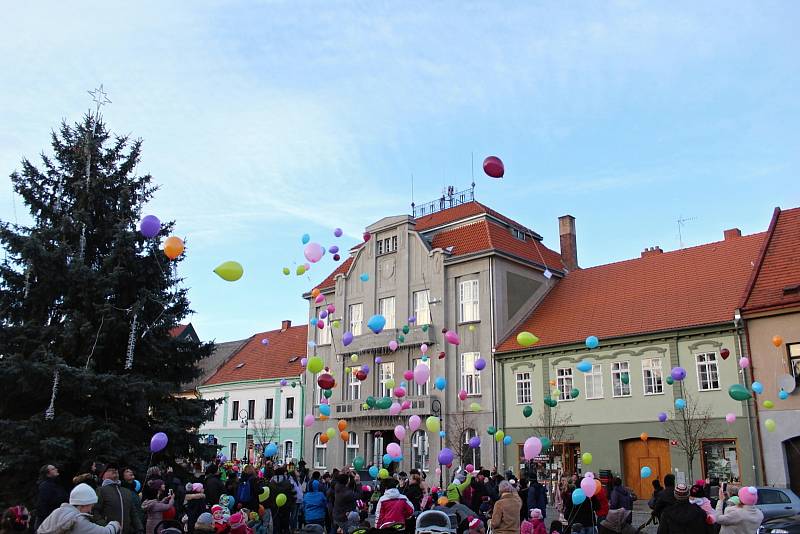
<point>263,121</point>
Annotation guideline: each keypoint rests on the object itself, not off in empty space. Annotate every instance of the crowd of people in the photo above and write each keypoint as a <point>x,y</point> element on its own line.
<point>239,498</point>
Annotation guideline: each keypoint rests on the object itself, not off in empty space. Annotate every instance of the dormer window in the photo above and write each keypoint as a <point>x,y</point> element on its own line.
<point>386,245</point>
<point>519,234</point>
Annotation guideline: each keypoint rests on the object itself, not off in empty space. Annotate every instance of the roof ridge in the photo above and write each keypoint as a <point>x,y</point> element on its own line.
<point>762,254</point>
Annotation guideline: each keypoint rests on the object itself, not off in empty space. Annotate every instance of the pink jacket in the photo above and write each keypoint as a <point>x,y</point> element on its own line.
<point>532,526</point>
<point>393,507</point>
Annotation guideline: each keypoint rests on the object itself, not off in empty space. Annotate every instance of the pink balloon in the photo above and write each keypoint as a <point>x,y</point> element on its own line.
<point>405,405</point>
<point>413,423</point>
<point>589,474</point>
<point>395,408</point>
<point>313,252</point>
<point>394,450</point>
<point>588,486</point>
<point>331,308</point>
<point>748,495</point>
<point>462,395</point>
<point>408,375</point>
<point>730,418</point>
<point>423,348</point>
<point>400,432</point>
<point>469,468</point>
<point>393,345</point>
<point>320,298</point>
<point>399,392</point>
<point>532,448</point>
<point>744,363</point>
<point>307,266</point>
<point>452,338</point>
<point>308,420</point>
<point>421,373</point>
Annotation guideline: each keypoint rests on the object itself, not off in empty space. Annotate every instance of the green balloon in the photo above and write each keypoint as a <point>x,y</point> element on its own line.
<point>424,328</point>
<point>328,393</point>
<point>384,402</point>
<point>401,338</point>
<point>551,402</point>
<point>406,329</point>
<point>358,462</point>
<point>229,271</point>
<point>314,364</point>
<point>574,393</point>
<point>669,380</point>
<point>371,401</point>
<point>527,411</point>
<point>625,378</point>
<point>546,443</point>
<point>280,500</point>
<point>285,271</point>
<point>739,392</point>
<point>491,430</point>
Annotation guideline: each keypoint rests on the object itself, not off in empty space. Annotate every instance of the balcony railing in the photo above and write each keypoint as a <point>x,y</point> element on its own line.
<point>450,199</point>
<point>420,405</point>
<point>379,343</point>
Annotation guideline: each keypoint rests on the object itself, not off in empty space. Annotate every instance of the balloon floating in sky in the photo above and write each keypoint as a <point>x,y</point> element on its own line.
<point>337,232</point>
<point>678,373</point>
<point>680,404</point>
<point>744,363</point>
<point>173,247</point>
<point>584,366</point>
<point>364,277</point>
<point>306,238</point>
<point>149,226</point>
<point>592,342</point>
<point>645,472</point>
<point>777,341</point>
<point>452,338</point>
<point>770,425</point>
<point>526,339</point>
<point>730,418</point>
<point>286,271</point>
<point>724,353</point>
<point>757,387</point>
<point>739,392</point>
<point>531,448</point>
<point>313,252</point>
<point>376,323</point>
<point>366,236</point>
<point>347,338</point>
<point>662,417</point>
<point>782,395</point>
<point>480,364</point>
<point>493,167</point>
<point>158,442</point>
<point>229,271</point>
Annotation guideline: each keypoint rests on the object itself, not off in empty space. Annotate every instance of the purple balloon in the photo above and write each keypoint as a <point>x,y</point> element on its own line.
<point>474,442</point>
<point>337,232</point>
<point>662,416</point>
<point>284,382</point>
<point>678,373</point>
<point>303,361</point>
<point>265,341</point>
<point>378,359</point>
<point>334,249</point>
<point>158,442</point>
<point>480,364</point>
<point>323,314</point>
<point>149,226</point>
<point>347,338</point>
<point>446,456</point>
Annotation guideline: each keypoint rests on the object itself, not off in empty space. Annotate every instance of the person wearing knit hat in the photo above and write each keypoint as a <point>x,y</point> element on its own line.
<point>116,503</point>
<point>475,525</point>
<point>238,524</point>
<point>684,516</point>
<point>75,516</point>
<point>534,524</point>
<point>204,524</point>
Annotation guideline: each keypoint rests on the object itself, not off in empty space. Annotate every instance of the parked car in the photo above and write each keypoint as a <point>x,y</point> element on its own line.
<point>777,502</point>
<point>781,525</point>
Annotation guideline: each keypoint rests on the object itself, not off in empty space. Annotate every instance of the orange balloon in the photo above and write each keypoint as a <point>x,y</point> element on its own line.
<point>597,486</point>
<point>323,438</point>
<point>315,292</point>
<point>345,435</point>
<point>322,417</point>
<point>173,247</point>
<point>342,425</point>
<point>643,436</point>
<point>777,341</point>
<point>443,501</point>
<point>552,382</point>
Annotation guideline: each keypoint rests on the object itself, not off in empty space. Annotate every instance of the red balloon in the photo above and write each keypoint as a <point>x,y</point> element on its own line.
<point>361,375</point>
<point>493,166</point>
<point>724,353</point>
<point>326,381</point>
<point>441,355</point>
<point>367,236</point>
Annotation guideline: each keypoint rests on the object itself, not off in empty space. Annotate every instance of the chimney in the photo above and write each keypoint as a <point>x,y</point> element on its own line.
<point>569,245</point>
<point>285,325</point>
<point>652,251</point>
<point>732,233</point>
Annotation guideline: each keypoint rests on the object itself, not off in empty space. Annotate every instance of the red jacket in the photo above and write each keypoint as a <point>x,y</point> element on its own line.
<point>393,507</point>
<point>602,498</point>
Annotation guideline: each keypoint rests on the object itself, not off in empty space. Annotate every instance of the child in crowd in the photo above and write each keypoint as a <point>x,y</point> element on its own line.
<point>204,524</point>
<point>556,527</point>
<point>475,525</point>
<point>534,524</point>
<point>697,496</point>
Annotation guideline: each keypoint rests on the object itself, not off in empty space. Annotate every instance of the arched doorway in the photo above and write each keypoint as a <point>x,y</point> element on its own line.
<point>792,448</point>
<point>653,453</point>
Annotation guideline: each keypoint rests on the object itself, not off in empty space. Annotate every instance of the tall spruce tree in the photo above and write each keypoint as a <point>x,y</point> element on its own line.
<point>74,285</point>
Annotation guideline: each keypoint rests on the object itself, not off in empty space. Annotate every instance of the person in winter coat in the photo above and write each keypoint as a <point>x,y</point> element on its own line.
<point>603,506</point>
<point>738,519</point>
<point>667,496</point>
<point>456,489</point>
<point>537,496</point>
<point>697,496</point>
<point>582,513</point>
<point>155,504</point>
<point>393,507</point>
<point>534,524</point>
<point>50,495</point>
<point>194,504</point>
<point>617,522</point>
<point>213,486</point>
<point>620,496</point>
<point>505,514</point>
<point>204,524</point>
<point>414,491</point>
<point>238,524</point>
<point>344,502</point>
<point>315,504</point>
<point>479,490</point>
<point>683,517</point>
<point>75,516</point>
<point>115,503</point>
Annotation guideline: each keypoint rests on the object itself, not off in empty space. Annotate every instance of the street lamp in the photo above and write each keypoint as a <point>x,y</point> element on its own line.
<point>243,423</point>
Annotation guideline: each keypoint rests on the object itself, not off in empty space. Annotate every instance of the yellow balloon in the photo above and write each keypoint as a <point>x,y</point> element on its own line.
<point>770,424</point>
<point>586,458</point>
<point>475,407</point>
<point>499,435</point>
<point>769,404</point>
<point>383,473</point>
<point>433,424</point>
<point>390,383</point>
<point>301,270</point>
<point>556,393</point>
<point>280,499</point>
<point>230,271</point>
<point>354,357</point>
<point>331,433</point>
<point>336,323</point>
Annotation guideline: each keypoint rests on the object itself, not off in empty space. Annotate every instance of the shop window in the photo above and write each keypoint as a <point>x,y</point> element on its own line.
<point>721,460</point>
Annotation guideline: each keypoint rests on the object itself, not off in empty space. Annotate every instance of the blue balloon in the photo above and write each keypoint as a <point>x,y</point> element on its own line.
<point>376,323</point>
<point>507,440</point>
<point>645,472</point>
<point>442,434</point>
<point>270,450</point>
<point>592,342</point>
<point>373,471</point>
<point>680,404</point>
<point>137,486</point>
<point>440,383</point>
<point>782,395</point>
<point>584,367</point>
<point>578,496</point>
<point>306,238</point>
<point>757,387</point>
<point>325,409</point>
<point>364,277</point>
<point>387,460</point>
<point>398,459</point>
<point>314,321</point>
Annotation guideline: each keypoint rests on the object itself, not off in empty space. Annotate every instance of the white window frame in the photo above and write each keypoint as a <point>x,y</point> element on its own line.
<point>655,379</point>
<point>269,415</point>
<point>617,371</point>
<point>386,372</point>
<point>353,383</point>
<point>386,307</point>
<point>323,334</point>
<point>317,394</point>
<point>420,450</point>
<point>469,301</point>
<point>565,381</point>
<point>470,377</point>
<point>712,365</point>
<point>351,449</point>
<point>320,449</point>
<point>474,454</point>
<point>524,387</point>
<point>286,409</point>
<point>377,450</point>
<point>288,447</point>
<point>422,307</point>
<point>356,314</point>
<point>596,375</point>
<point>422,389</point>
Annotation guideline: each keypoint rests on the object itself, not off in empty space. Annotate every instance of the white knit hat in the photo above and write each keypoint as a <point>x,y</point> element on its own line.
<point>81,495</point>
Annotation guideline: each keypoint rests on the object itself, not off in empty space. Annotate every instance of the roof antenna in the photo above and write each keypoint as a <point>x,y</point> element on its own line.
<point>413,211</point>
<point>681,222</point>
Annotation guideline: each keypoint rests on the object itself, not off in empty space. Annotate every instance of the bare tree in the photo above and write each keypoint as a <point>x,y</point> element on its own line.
<point>456,426</point>
<point>555,426</point>
<point>264,432</point>
<point>689,427</point>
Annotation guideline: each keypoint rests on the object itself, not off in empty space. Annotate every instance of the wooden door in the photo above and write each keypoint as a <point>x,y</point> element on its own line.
<point>792,447</point>
<point>653,453</point>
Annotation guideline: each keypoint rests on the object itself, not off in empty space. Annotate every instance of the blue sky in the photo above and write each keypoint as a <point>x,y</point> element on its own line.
<point>264,121</point>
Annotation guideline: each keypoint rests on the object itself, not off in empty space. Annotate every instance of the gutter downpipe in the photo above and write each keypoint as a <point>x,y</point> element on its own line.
<point>752,408</point>
<point>494,362</point>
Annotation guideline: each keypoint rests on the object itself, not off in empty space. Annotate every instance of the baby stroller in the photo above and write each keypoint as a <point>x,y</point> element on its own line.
<point>434,522</point>
<point>170,526</point>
